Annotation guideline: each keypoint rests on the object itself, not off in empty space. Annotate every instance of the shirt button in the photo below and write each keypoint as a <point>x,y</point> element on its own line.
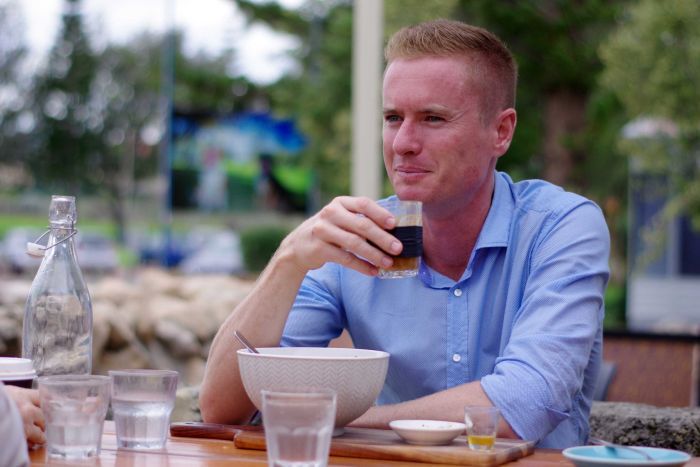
<point>457,292</point>
<point>456,358</point>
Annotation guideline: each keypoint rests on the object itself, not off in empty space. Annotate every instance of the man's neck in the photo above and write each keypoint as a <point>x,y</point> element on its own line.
<point>449,238</point>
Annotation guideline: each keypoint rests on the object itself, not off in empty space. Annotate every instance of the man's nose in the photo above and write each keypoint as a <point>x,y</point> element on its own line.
<point>407,140</point>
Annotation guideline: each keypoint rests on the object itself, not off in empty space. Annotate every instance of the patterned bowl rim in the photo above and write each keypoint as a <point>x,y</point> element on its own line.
<point>314,353</point>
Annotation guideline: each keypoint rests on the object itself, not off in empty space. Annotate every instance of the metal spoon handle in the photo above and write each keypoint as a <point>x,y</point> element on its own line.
<point>614,446</point>
<point>245,342</point>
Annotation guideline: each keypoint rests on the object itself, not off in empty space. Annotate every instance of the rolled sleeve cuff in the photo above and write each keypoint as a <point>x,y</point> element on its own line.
<point>524,405</point>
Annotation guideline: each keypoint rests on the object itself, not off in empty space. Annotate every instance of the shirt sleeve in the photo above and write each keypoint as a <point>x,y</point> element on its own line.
<point>317,315</point>
<point>540,373</point>
<point>13,451</point>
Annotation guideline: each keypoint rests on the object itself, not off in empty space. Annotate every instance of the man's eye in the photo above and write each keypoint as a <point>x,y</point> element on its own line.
<point>434,118</point>
<point>392,118</point>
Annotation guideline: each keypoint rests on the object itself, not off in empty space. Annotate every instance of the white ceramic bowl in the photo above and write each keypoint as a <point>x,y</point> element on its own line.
<point>427,432</point>
<point>356,375</point>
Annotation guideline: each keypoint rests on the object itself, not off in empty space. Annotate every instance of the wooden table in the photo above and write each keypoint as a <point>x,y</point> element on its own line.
<point>209,452</point>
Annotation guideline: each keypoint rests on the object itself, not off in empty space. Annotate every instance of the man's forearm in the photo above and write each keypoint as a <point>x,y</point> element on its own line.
<point>444,405</point>
<point>261,318</point>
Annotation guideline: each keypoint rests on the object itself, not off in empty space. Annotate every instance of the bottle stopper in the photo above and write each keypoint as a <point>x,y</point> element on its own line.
<point>34,249</point>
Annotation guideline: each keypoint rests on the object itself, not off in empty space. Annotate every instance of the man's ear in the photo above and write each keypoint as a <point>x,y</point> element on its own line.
<point>505,128</point>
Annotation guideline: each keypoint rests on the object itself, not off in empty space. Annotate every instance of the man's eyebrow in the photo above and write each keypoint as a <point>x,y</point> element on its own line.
<point>426,110</point>
<point>436,109</point>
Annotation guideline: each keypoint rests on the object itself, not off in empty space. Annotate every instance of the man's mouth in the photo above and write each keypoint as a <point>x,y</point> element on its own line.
<point>409,170</point>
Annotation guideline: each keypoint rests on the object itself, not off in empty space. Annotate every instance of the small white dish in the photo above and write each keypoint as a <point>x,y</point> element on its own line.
<point>600,456</point>
<point>427,432</point>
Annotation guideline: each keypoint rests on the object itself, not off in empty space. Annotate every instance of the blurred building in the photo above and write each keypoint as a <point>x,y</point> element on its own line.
<point>663,249</point>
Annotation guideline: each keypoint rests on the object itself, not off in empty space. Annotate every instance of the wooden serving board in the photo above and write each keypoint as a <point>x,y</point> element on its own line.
<point>386,445</point>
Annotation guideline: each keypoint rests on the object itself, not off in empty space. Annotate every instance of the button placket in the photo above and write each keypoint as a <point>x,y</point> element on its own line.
<point>458,334</point>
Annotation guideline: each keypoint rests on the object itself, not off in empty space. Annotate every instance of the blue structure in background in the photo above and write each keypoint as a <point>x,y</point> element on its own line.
<point>216,159</point>
<point>241,137</point>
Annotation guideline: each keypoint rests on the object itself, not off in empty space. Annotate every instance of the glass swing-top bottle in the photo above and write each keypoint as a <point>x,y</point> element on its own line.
<point>57,334</point>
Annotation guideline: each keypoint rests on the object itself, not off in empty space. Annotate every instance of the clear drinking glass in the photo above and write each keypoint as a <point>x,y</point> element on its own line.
<point>409,231</point>
<point>298,426</point>
<point>142,401</point>
<point>482,425</point>
<point>74,408</point>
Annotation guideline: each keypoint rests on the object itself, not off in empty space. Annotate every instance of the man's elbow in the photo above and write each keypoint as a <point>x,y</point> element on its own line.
<point>207,406</point>
<point>228,409</point>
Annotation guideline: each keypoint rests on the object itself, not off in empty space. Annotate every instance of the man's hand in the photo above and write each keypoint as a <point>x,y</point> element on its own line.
<point>350,231</point>
<point>27,401</point>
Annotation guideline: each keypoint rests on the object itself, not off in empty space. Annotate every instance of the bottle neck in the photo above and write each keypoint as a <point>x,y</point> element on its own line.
<point>60,239</point>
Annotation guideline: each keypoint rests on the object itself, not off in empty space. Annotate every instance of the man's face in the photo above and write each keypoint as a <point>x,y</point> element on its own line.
<point>437,147</point>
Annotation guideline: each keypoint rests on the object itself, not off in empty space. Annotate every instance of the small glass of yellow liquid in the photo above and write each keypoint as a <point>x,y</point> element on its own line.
<point>482,425</point>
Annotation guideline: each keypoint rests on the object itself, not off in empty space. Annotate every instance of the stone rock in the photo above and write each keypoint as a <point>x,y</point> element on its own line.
<point>9,328</point>
<point>179,341</point>
<point>647,425</point>
<point>193,371</point>
<point>148,319</point>
<point>11,318</point>
<point>161,357</point>
<point>159,282</point>
<point>129,357</point>
<point>15,311</point>
<point>198,317</point>
<point>14,291</point>
<point>158,308</point>
<point>100,328</point>
<point>114,290</point>
<point>186,405</point>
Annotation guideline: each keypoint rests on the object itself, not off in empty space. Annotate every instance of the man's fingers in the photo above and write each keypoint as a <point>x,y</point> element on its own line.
<point>369,226</point>
<point>35,435</point>
<point>350,260</point>
<point>370,209</point>
<point>347,241</point>
<point>38,417</point>
<point>34,397</point>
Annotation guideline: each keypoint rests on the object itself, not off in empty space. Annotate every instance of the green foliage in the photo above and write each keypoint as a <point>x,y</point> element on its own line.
<point>653,60</point>
<point>652,64</point>
<point>258,244</point>
<point>400,13</point>
<point>555,44</point>
<point>12,52</point>
<point>615,306</point>
<point>70,145</point>
<point>326,59</point>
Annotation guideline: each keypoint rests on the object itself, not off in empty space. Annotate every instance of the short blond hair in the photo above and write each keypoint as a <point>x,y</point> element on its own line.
<point>494,64</point>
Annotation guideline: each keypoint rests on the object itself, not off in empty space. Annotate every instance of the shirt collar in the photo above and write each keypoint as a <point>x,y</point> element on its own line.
<point>494,233</point>
<point>496,229</point>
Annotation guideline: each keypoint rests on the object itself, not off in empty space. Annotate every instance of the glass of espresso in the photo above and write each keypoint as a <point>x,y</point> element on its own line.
<point>409,231</point>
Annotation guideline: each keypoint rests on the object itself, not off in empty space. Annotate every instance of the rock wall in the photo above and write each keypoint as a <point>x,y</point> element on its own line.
<point>149,319</point>
<point>647,425</point>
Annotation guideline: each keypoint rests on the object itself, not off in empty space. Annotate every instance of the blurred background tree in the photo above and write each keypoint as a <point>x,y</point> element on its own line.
<point>652,64</point>
<point>318,96</point>
<point>586,68</point>
<point>15,124</point>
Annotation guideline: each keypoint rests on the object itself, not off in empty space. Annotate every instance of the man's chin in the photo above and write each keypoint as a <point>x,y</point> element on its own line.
<point>409,193</point>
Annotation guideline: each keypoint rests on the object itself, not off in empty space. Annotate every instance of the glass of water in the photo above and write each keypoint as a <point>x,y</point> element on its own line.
<point>298,426</point>
<point>142,401</point>
<point>74,408</point>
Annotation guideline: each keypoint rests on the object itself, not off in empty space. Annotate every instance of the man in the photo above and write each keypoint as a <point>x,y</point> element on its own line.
<point>13,446</point>
<point>507,307</point>
<point>29,406</point>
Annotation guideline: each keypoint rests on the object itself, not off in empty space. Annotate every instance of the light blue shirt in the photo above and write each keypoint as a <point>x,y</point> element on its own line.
<point>525,318</point>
